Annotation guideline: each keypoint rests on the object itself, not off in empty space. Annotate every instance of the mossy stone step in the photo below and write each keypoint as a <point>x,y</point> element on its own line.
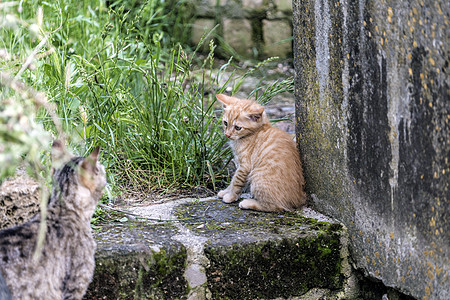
<point>135,260</point>
<point>205,249</point>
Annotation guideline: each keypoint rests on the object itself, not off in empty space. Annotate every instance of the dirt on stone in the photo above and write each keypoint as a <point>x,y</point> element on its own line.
<point>19,200</point>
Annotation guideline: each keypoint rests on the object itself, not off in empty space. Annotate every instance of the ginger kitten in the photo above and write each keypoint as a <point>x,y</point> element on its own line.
<point>66,263</point>
<point>267,158</point>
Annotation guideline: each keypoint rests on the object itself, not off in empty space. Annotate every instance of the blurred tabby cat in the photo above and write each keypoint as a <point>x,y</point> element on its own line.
<point>266,156</point>
<point>66,264</point>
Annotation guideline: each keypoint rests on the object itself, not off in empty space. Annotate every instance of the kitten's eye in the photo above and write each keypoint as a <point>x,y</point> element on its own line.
<point>237,128</point>
<point>225,123</point>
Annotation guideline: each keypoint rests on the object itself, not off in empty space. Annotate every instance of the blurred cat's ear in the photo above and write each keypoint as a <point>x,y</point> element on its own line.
<point>226,100</point>
<point>59,155</point>
<point>58,150</point>
<point>89,164</point>
<point>89,169</point>
<point>94,154</point>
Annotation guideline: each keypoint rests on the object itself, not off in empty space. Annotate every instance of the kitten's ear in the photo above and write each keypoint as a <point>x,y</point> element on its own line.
<point>256,114</point>
<point>89,169</point>
<point>226,100</point>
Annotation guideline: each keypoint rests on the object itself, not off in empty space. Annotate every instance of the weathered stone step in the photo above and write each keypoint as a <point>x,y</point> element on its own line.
<point>205,249</point>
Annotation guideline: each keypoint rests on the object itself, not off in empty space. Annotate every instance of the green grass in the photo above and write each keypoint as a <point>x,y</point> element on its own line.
<point>123,79</point>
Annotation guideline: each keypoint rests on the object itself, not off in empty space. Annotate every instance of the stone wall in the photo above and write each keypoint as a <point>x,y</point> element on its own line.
<point>373,111</point>
<point>253,28</point>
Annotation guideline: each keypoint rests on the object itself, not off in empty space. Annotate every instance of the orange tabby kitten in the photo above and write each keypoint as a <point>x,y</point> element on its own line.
<point>267,158</point>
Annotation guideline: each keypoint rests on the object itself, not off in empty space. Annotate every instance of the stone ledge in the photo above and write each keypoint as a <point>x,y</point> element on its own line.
<point>205,249</point>
<point>137,260</point>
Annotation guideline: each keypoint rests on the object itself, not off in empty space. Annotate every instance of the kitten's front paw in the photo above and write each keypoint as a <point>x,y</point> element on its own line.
<point>221,193</point>
<point>229,197</point>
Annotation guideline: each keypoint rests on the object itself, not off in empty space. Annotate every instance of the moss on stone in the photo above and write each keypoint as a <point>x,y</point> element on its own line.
<point>251,255</point>
<point>264,255</point>
<point>270,269</point>
<point>216,217</point>
<point>137,260</point>
<point>140,275</point>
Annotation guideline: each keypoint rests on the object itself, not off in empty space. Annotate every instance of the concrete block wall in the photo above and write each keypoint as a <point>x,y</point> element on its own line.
<point>373,110</point>
<point>253,28</point>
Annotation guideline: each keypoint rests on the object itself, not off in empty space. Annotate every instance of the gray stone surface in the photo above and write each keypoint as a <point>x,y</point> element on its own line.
<point>372,101</point>
<point>238,34</point>
<point>253,4</point>
<point>135,260</point>
<point>199,28</point>
<point>205,249</point>
<point>284,5</point>
<point>277,36</point>
<point>19,200</point>
<point>241,26</point>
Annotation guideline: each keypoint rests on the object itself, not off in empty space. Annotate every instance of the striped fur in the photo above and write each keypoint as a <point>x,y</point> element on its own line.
<point>267,158</point>
<point>66,263</point>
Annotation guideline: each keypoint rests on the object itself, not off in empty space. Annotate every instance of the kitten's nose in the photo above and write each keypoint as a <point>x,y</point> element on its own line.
<point>227,134</point>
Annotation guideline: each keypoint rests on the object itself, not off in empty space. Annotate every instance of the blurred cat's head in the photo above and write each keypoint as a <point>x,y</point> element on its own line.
<point>78,179</point>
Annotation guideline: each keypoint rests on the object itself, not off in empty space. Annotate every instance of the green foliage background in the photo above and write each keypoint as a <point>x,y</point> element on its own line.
<point>120,76</point>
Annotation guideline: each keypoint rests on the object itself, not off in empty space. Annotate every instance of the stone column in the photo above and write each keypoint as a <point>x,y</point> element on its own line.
<point>373,112</point>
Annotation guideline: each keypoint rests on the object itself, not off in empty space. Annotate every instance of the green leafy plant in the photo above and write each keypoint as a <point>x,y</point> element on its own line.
<point>117,78</point>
